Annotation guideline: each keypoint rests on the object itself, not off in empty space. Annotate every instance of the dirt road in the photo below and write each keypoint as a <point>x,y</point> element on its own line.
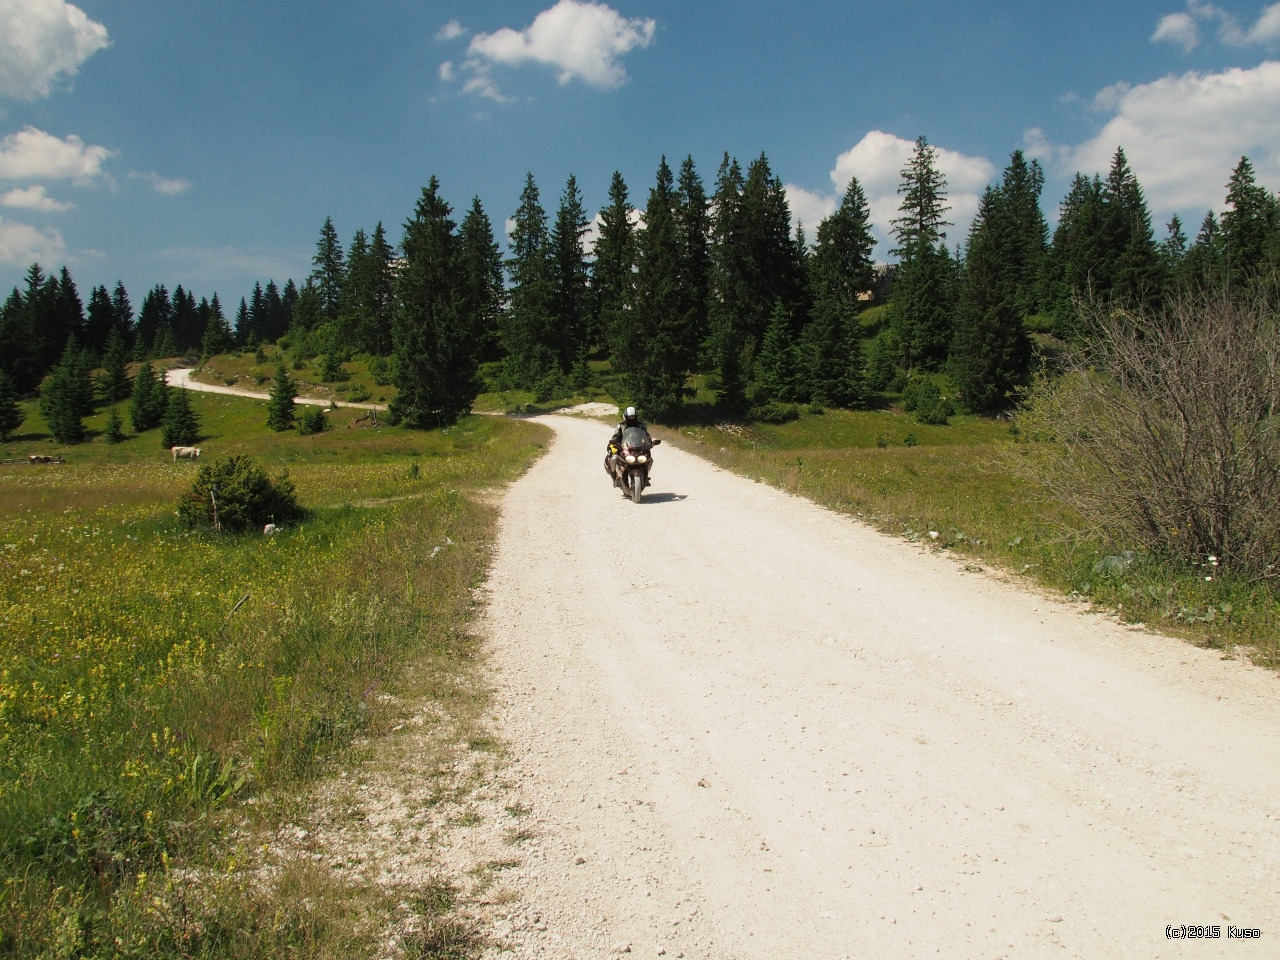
<point>745,727</point>
<point>182,377</point>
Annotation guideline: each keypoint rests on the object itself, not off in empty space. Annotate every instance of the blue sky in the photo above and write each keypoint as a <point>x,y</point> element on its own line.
<point>203,144</point>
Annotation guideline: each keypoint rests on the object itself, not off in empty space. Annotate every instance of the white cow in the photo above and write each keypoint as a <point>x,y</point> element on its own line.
<point>191,453</point>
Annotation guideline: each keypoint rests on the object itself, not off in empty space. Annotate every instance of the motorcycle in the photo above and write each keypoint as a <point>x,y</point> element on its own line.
<point>630,461</point>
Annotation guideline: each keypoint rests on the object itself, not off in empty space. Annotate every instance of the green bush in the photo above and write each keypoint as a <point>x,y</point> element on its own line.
<point>922,396</point>
<point>235,494</point>
<point>312,421</point>
<point>331,370</point>
<point>774,412</point>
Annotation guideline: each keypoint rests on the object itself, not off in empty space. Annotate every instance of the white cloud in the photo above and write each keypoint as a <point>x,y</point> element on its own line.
<point>41,39</point>
<point>446,71</point>
<point>34,198</point>
<point>583,41</point>
<point>165,185</point>
<point>481,83</point>
<point>809,208</point>
<point>1266,32</point>
<point>1179,28</point>
<point>877,161</point>
<point>32,154</point>
<point>1183,28</point>
<point>21,244</point>
<point>450,31</point>
<point>1183,135</point>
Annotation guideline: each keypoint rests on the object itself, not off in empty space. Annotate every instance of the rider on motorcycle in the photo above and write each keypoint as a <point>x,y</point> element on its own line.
<point>629,419</point>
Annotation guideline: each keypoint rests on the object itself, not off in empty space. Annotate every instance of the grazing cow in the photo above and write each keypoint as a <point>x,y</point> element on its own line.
<point>40,458</point>
<point>191,453</point>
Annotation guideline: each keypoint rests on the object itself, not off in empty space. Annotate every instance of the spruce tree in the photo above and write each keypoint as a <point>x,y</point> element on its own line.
<point>244,326</point>
<point>1077,262</point>
<point>364,323</point>
<point>62,398</point>
<point>330,270</point>
<point>693,227</point>
<point>154,317</point>
<point>187,331</point>
<point>11,415</point>
<point>15,347</point>
<point>729,269</point>
<point>991,350</point>
<point>123,310</point>
<point>527,333</point>
<point>1027,232</point>
<point>180,426</point>
<point>483,293</point>
<point>612,273</point>
<point>658,348</point>
<point>114,383</point>
<point>148,401</point>
<point>778,362</point>
<point>280,406</point>
<point>66,316</point>
<point>436,338</point>
<point>570,296</point>
<point>768,259</point>
<point>922,301</point>
<point>1174,247</point>
<point>840,269</point>
<point>113,432</point>
<point>1136,278</point>
<point>100,320</point>
<point>1251,217</point>
<point>218,337</point>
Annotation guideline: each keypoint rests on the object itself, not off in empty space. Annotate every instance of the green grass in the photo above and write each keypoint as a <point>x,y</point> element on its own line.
<point>153,678</point>
<point>958,487</point>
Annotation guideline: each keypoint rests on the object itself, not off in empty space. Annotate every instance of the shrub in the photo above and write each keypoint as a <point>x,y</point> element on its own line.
<point>312,421</point>
<point>383,371</point>
<point>774,412</point>
<point>235,494</point>
<point>331,370</point>
<point>922,396</point>
<point>548,387</point>
<point>1164,430</point>
<point>114,430</point>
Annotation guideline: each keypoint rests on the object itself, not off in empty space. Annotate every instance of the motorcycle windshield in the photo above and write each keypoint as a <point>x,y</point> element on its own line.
<point>635,437</point>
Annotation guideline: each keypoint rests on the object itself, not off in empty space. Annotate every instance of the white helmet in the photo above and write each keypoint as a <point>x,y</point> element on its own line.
<point>630,414</point>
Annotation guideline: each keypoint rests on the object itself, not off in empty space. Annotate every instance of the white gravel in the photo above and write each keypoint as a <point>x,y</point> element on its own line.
<point>746,727</point>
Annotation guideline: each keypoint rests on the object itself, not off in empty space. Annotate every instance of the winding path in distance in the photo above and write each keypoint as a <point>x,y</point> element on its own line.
<point>746,727</point>
<point>181,377</point>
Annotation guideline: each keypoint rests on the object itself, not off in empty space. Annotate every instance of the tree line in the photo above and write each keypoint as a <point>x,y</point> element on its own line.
<point>710,281</point>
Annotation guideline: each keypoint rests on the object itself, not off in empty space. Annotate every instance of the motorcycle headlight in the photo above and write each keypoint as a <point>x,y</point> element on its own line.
<point>630,458</point>
<point>642,458</point>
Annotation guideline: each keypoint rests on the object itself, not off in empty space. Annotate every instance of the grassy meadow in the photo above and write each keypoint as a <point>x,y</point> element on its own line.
<point>153,679</point>
<point>960,487</point>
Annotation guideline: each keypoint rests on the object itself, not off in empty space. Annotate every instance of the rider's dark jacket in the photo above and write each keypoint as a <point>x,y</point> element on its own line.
<point>616,439</point>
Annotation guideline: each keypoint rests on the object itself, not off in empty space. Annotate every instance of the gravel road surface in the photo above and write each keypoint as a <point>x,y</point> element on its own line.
<point>745,727</point>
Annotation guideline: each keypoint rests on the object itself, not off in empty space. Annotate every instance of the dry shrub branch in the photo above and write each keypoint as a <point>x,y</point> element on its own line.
<point>1163,432</point>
